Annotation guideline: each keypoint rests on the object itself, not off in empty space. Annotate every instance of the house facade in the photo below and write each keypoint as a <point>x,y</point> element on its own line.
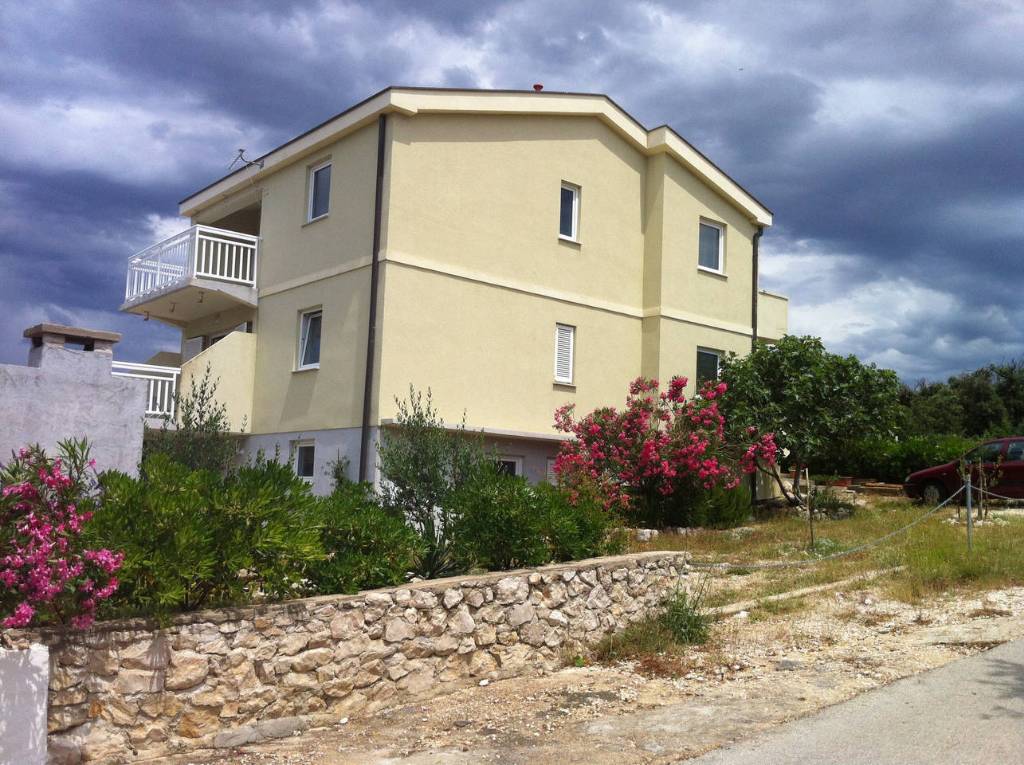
<point>510,251</point>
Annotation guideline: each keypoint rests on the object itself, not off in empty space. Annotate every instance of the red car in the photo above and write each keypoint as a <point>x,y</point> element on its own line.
<point>934,484</point>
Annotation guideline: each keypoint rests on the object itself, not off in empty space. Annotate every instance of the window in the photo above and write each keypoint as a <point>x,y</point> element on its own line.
<point>1015,451</point>
<point>569,213</point>
<point>709,256</point>
<point>565,339</point>
<point>305,454</point>
<point>309,340</point>
<point>319,191</point>
<point>550,474</point>
<point>707,365</point>
<point>985,453</point>
<point>510,465</point>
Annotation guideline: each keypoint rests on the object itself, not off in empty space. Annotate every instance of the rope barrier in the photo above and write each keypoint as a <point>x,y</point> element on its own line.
<point>998,496</point>
<point>833,556</point>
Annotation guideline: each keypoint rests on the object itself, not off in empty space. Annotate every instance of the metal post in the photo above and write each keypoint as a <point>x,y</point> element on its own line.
<point>970,515</point>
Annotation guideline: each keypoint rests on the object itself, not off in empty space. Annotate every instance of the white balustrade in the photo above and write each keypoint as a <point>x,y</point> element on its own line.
<point>202,251</point>
<point>162,385</point>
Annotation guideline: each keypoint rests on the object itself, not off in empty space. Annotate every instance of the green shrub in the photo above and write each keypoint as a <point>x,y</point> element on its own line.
<point>888,459</point>
<point>423,464</point>
<point>366,546</point>
<point>726,508</point>
<point>201,439</point>
<point>578,527</point>
<point>497,524</point>
<point>718,508</point>
<point>193,538</point>
<point>502,522</point>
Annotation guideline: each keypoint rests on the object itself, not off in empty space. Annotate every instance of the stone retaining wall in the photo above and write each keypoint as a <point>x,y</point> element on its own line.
<point>124,691</point>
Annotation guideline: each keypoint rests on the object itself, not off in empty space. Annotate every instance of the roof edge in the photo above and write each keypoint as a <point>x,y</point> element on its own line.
<point>412,100</point>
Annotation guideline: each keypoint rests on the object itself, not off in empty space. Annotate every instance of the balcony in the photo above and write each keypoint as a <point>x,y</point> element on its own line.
<point>772,316</point>
<point>162,386</point>
<point>201,271</point>
<point>232,364</point>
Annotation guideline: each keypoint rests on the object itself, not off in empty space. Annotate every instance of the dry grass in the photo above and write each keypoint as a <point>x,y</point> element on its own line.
<point>933,553</point>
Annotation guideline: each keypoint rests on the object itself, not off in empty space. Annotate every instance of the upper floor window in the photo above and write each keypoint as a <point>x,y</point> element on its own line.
<point>309,339</point>
<point>319,191</point>
<point>707,365</point>
<point>711,254</point>
<point>565,340</point>
<point>569,213</point>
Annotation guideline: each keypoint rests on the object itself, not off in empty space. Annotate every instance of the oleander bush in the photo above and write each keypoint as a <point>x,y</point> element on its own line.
<point>48,573</point>
<point>196,538</point>
<point>365,545</point>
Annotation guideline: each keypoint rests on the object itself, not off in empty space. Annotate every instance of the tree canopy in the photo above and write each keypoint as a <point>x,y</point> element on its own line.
<point>815,402</point>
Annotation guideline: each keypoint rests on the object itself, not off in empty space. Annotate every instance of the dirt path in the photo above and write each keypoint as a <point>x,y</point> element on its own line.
<point>764,670</point>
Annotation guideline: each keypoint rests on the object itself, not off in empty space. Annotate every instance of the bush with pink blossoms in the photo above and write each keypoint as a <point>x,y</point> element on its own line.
<point>655,460</point>
<point>46,573</point>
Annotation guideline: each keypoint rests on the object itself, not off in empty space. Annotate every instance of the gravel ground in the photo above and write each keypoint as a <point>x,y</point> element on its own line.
<point>762,670</point>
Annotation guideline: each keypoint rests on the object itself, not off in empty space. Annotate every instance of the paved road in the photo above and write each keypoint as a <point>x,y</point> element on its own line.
<point>970,711</point>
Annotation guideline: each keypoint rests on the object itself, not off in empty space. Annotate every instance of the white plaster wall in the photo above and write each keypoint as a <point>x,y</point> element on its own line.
<point>24,683</point>
<point>73,395</point>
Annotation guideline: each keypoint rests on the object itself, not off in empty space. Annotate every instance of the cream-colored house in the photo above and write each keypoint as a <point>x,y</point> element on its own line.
<point>511,251</point>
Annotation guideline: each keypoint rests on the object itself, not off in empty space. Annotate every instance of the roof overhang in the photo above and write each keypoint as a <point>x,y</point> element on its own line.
<point>412,101</point>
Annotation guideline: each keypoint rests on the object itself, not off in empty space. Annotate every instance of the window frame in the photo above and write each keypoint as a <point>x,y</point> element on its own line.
<point>300,348</point>
<point>297,447</point>
<point>720,227</point>
<point>517,463</point>
<point>311,188</point>
<point>718,364</point>
<point>572,354</point>
<point>576,193</point>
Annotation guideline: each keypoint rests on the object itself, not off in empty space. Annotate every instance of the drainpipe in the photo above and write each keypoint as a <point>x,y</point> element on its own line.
<point>371,330</point>
<point>753,296</point>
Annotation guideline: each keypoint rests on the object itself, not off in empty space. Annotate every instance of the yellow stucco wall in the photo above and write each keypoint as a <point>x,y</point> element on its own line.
<point>232,363</point>
<point>328,397</point>
<point>481,193</point>
<point>489,352</point>
<point>772,315</point>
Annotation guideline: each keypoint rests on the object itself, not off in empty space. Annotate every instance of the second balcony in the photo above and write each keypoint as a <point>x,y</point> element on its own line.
<point>202,270</point>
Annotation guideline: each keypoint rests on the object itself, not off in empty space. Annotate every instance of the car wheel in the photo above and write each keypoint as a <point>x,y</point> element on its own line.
<point>933,493</point>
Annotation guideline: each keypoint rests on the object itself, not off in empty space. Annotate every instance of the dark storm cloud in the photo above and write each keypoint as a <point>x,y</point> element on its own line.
<point>884,135</point>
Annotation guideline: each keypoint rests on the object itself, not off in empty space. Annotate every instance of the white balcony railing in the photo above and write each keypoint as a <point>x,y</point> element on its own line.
<point>203,251</point>
<point>162,381</point>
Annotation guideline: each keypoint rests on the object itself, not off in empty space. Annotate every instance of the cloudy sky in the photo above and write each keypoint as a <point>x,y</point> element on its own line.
<point>886,137</point>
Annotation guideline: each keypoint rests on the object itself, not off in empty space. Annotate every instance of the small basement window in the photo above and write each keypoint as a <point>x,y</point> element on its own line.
<point>510,465</point>
<point>305,459</point>
<point>319,191</point>
<point>710,256</point>
<point>707,365</point>
<point>569,213</point>
<point>309,339</point>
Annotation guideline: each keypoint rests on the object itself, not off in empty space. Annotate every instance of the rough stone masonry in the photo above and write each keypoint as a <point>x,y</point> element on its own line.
<point>123,691</point>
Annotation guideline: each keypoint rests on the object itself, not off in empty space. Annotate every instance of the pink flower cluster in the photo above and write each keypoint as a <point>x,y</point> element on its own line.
<point>43,564</point>
<point>660,441</point>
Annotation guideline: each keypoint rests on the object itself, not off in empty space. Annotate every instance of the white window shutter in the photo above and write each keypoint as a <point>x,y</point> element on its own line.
<point>565,337</point>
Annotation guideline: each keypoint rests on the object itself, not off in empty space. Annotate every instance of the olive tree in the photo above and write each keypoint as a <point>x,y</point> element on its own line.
<point>815,402</point>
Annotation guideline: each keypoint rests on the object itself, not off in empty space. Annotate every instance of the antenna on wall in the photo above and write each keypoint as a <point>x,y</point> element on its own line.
<point>241,158</point>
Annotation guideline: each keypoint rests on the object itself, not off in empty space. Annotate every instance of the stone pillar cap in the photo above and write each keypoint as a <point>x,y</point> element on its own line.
<point>73,334</point>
